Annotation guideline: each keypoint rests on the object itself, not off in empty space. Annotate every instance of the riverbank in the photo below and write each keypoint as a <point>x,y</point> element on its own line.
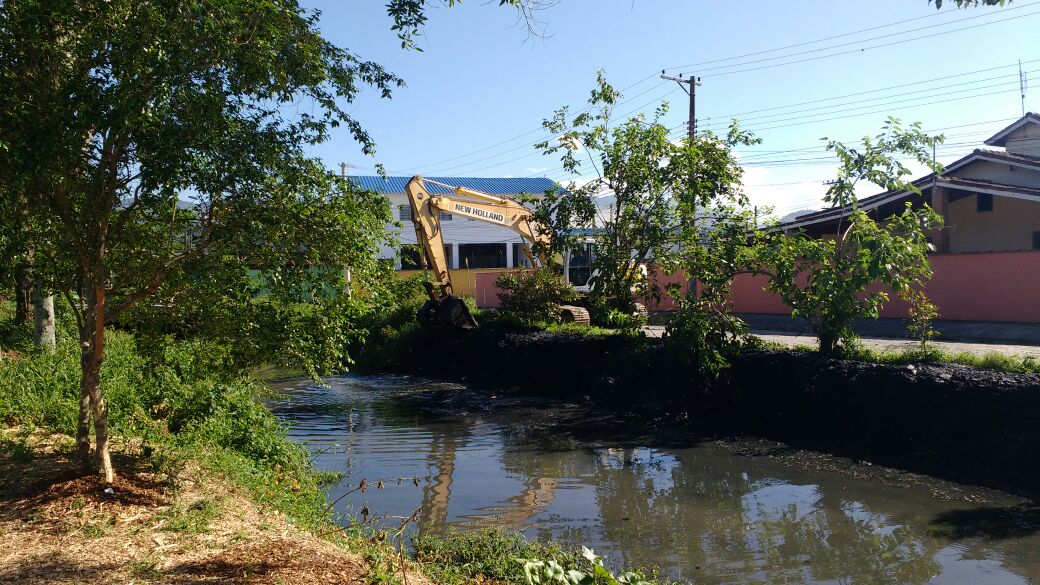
<point>209,489</point>
<point>954,422</point>
<point>60,526</point>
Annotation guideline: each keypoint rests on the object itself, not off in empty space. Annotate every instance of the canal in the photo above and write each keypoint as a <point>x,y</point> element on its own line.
<point>701,510</point>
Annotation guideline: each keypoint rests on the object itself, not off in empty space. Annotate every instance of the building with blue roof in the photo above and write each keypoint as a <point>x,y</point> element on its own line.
<point>469,243</point>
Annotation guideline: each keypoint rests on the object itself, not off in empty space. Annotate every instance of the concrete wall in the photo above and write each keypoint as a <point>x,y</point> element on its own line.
<point>1008,227</point>
<point>1001,286</point>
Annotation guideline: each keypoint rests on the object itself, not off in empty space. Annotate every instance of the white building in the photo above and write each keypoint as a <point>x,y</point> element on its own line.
<point>469,243</point>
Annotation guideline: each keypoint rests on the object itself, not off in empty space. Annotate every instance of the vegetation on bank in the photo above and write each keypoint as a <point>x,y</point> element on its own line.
<point>180,416</point>
<point>178,400</point>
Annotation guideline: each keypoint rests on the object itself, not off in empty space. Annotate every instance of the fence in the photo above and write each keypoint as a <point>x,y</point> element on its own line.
<point>991,286</point>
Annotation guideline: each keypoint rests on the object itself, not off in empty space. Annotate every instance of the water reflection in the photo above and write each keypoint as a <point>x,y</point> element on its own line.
<point>698,512</point>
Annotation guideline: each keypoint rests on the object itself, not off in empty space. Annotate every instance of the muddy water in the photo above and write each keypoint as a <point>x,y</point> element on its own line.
<point>702,511</point>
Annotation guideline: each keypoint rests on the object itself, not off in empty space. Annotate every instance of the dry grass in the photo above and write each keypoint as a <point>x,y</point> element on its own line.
<point>60,526</point>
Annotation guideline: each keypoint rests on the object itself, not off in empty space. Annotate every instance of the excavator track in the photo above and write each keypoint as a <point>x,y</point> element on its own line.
<point>575,314</point>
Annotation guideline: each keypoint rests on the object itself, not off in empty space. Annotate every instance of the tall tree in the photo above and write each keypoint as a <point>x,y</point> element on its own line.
<point>160,145</point>
<point>826,280</point>
<point>635,167</point>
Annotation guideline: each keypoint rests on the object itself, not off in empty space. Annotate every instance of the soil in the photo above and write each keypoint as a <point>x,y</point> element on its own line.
<point>59,526</point>
<point>948,421</point>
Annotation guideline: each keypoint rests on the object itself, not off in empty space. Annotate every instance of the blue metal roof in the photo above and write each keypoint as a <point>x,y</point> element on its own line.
<point>489,185</point>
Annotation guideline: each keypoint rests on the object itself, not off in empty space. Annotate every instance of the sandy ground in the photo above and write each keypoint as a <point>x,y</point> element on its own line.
<point>880,344</point>
<point>59,526</point>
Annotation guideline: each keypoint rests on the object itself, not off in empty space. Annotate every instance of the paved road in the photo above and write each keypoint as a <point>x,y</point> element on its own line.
<point>877,343</point>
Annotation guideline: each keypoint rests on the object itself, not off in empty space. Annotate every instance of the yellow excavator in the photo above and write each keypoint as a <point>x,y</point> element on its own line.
<point>444,309</point>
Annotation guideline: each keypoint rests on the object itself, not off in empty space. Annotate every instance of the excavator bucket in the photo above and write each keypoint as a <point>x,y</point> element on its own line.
<point>450,312</point>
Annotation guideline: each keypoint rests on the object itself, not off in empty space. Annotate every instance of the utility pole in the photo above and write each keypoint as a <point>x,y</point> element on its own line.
<point>692,82</point>
<point>691,132</point>
<point>343,169</point>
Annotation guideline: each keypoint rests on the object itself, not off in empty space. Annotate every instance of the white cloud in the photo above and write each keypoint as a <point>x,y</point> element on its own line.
<point>783,191</point>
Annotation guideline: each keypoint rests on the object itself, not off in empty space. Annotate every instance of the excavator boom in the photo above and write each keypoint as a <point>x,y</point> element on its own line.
<point>444,309</point>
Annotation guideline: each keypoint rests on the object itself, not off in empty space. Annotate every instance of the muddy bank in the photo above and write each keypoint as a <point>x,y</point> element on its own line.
<point>949,421</point>
<point>60,525</point>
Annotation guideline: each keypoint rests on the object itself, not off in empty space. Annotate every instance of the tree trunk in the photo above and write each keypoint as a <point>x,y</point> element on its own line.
<point>43,312</point>
<point>22,288</point>
<point>92,396</point>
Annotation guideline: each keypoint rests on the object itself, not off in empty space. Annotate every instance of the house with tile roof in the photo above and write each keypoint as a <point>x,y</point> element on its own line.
<point>986,258</point>
<point>989,199</point>
<point>469,244</point>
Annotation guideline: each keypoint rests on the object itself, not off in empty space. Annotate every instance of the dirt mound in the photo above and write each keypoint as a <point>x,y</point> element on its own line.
<point>60,526</point>
<point>275,561</point>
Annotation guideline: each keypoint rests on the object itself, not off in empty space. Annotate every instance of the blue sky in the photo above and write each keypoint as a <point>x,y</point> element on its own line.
<point>478,91</point>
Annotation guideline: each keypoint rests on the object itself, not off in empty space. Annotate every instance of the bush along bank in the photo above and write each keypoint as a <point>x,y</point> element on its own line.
<point>209,487</point>
<point>951,421</point>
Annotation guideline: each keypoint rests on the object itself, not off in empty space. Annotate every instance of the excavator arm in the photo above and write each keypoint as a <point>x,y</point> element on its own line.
<point>444,308</point>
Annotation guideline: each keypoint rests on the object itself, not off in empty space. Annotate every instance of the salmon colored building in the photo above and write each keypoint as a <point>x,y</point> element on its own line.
<point>986,261</point>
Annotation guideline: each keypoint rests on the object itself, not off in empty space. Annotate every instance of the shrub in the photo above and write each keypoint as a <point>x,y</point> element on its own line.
<point>533,296</point>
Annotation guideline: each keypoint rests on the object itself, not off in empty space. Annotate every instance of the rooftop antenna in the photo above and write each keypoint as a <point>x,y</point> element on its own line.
<point>1023,85</point>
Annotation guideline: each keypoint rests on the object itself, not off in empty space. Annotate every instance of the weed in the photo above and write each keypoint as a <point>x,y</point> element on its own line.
<point>997,361</point>
<point>145,569</point>
<point>460,557</point>
<point>17,449</point>
<point>193,519</point>
<point>99,527</point>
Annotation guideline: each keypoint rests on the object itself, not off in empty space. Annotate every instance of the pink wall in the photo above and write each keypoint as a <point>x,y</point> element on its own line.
<point>667,303</point>
<point>996,286</point>
<point>485,293</point>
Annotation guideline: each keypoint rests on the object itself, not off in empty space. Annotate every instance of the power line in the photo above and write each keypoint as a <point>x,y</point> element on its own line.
<point>701,69</point>
<point>442,171</point>
<point>862,49</point>
<point>1007,85</point>
<point>813,42</point>
<point>892,87</point>
<point>533,131</point>
<point>942,101</point>
<point>540,129</point>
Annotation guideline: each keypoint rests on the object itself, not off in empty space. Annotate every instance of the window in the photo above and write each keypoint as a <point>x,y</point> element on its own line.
<point>404,213</point>
<point>579,266</point>
<point>983,202</point>
<point>520,259</point>
<point>410,259</point>
<point>482,256</point>
<point>1036,240</point>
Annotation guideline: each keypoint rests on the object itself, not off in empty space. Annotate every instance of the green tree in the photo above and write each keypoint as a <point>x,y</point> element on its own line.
<point>160,149</point>
<point>718,239</point>
<point>971,3</point>
<point>636,166</point>
<point>825,279</point>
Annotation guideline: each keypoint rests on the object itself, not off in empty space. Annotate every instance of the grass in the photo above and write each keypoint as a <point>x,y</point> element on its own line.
<point>178,403</point>
<point>192,518</point>
<point>996,361</point>
<point>462,557</point>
